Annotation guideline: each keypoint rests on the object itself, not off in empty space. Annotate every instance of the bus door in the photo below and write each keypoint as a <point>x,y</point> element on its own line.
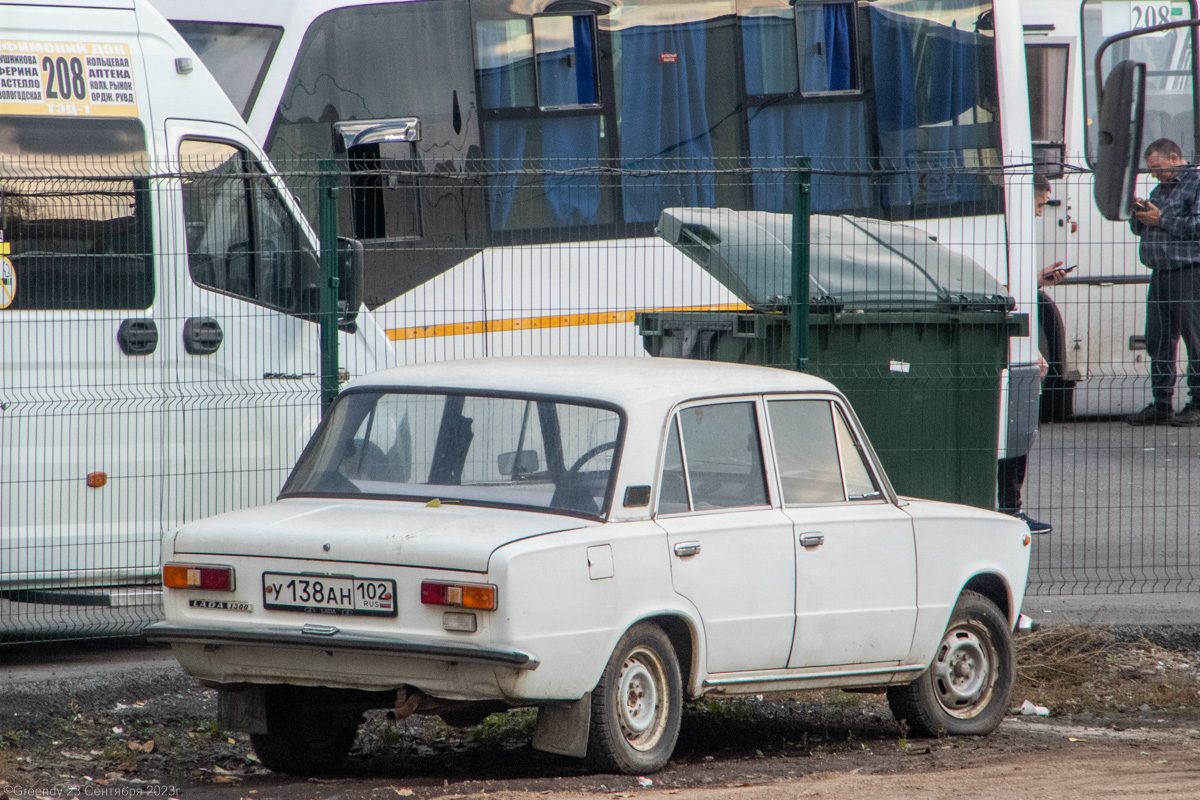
<point>83,359</point>
<point>245,349</point>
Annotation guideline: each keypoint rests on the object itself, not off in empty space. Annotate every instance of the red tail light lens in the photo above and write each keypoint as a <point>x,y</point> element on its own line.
<point>198,576</point>
<point>460,595</point>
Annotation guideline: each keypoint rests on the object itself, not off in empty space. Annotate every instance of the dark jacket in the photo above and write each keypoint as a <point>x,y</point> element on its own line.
<point>1175,243</point>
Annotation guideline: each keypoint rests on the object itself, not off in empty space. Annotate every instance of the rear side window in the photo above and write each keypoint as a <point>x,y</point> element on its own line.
<point>719,464</point>
<point>74,214</point>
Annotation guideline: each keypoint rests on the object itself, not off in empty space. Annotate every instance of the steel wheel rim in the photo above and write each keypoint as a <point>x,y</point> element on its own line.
<point>642,699</point>
<point>964,672</point>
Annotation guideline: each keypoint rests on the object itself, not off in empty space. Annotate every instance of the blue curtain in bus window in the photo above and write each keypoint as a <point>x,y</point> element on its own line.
<point>834,135</point>
<point>572,144</point>
<point>664,122</point>
<point>838,47</point>
<point>505,143</point>
<point>567,76</point>
<point>585,51</point>
<point>828,49</point>
<point>927,76</point>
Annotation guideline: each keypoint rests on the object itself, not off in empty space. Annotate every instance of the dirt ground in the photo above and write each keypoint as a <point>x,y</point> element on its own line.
<point>1124,722</point>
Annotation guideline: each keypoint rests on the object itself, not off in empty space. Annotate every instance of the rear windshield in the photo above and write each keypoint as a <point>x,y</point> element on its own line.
<point>527,451</point>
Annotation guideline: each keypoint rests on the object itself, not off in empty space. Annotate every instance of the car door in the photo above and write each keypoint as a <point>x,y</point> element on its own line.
<point>856,575</point>
<point>731,550</point>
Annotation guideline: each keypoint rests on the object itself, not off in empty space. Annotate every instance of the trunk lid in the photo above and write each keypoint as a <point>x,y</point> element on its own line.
<point>386,532</point>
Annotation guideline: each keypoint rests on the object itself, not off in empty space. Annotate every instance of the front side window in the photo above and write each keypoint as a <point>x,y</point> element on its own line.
<point>468,449</point>
<point>713,460</point>
<point>74,214</point>
<point>806,450</point>
<point>820,460</point>
<point>241,237</point>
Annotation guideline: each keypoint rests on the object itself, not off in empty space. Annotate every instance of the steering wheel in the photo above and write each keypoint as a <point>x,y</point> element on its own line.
<point>588,456</point>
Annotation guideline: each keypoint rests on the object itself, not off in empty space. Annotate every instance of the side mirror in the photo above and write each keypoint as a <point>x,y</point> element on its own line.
<point>1122,109</point>
<point>350,282</point>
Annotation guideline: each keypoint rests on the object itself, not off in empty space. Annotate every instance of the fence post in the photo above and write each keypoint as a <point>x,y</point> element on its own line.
<point>800,237</point>
<point>328,234</point>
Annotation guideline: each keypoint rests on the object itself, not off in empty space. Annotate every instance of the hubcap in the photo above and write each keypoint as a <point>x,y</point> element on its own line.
<point>964,673</point>
<point>641,699</point>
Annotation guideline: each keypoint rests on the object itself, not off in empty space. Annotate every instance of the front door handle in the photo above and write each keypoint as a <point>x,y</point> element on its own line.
<point>812,539</point>
<point>685,549</point>
<point>202,336</point>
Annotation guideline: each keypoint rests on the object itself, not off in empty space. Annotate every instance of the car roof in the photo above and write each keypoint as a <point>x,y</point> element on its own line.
<point>621,380</point>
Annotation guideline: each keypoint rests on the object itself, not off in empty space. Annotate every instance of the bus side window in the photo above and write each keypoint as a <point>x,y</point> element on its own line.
<point>241,238</point>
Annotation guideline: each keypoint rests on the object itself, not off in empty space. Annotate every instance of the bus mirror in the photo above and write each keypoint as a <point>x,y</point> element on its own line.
<point>350,282</point>
<point>1122,109</point>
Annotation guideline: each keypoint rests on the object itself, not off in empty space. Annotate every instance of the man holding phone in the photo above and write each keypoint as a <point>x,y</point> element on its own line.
<point>1169,224</point>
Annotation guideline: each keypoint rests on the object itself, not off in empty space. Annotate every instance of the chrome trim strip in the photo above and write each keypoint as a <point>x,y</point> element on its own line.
<point>793,675</point>
<point>293,637</point>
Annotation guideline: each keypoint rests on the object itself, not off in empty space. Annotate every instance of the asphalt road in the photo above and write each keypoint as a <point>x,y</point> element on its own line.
<point>1125,505</point>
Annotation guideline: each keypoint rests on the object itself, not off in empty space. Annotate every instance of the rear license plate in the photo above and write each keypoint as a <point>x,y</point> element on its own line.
<point>329,594</point>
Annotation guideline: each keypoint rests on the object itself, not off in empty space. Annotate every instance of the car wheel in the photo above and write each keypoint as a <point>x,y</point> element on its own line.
<point>300,742</point>
<point>637,706</point>
<point>965,691</point>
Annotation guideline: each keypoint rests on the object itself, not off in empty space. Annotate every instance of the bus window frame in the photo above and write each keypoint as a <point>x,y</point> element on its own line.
<point>1087,71</point>
<point>1052,169</point>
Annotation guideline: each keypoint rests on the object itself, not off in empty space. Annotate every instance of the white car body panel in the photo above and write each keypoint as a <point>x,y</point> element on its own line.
<point>752,610</point>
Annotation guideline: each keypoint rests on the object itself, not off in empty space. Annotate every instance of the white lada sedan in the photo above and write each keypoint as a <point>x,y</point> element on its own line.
<point>601,538</point>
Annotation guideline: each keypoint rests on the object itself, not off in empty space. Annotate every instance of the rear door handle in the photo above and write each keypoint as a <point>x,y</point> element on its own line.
<point>684,549</point>
<point>812,539</point>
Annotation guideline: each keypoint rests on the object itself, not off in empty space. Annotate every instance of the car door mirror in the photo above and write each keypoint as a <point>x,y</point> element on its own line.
<point>1122,109</point>
<point>350,282</point>
<point>518,463</point>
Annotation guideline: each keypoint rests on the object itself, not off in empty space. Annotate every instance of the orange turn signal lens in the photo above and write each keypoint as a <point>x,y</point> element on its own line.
<point>462,595</point>
<point>198,576</point>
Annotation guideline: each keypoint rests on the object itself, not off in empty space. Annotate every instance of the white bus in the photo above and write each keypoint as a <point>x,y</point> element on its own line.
<point>590,117</point>
<point>161,358</point>
<point>1094,338</point>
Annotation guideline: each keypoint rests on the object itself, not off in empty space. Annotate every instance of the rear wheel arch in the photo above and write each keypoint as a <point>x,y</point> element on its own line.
<point>683,640</point>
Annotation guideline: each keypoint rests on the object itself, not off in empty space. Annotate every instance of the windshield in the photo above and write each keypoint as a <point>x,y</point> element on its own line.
<point>522,451</point>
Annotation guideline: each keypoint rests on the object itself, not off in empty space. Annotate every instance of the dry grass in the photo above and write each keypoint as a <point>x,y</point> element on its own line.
<point>1071,669</point>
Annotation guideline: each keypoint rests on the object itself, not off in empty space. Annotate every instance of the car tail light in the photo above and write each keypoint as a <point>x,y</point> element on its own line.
<point>463,595</point>
<point>198,576</point>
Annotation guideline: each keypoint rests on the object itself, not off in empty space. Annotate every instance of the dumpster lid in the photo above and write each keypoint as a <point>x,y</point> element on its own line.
<point>854,262</point>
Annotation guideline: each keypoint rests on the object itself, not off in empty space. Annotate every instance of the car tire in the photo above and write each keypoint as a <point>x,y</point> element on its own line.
<point>637,706</point>
<point>300,743</point>
<point>965,691</point>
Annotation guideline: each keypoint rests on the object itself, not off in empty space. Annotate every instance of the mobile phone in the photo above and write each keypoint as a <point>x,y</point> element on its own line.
<point>1065,270</point>
<point>1141,204</point>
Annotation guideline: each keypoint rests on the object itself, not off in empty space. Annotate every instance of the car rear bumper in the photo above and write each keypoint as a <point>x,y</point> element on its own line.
<point>340,642</point>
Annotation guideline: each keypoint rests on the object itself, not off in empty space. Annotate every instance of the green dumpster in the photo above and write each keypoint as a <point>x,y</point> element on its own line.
<point>915,334</point>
